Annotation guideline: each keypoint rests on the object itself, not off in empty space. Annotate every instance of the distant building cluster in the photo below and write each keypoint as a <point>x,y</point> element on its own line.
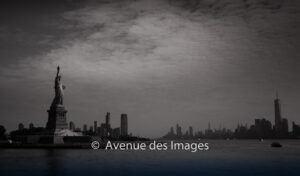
<point>32,134</point>
<point>261,129</point>
<point>104,130</point>
<point>189,134</point>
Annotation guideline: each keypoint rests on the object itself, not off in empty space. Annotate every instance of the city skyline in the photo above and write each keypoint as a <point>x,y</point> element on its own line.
<point>161,62</point>
<point>262,128</point>
<point>277,114</point>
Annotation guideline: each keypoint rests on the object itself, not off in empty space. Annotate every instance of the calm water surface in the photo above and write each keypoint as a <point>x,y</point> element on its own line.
<point>244,157</point>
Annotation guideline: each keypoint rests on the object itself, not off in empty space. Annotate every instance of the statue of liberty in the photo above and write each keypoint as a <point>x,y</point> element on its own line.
<point>59,90</point>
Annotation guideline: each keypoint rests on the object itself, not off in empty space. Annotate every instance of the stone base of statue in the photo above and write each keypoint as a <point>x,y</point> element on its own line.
<point>57,119</point>
<point>57,122</point>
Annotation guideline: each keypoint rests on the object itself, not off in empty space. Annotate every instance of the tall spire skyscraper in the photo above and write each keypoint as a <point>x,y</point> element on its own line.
<point>277,114</point>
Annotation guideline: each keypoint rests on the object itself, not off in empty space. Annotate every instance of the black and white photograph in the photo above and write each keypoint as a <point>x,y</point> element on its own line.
<point>150,87</point>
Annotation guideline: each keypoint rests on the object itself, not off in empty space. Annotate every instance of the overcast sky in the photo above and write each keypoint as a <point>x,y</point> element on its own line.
<point>160,61</point>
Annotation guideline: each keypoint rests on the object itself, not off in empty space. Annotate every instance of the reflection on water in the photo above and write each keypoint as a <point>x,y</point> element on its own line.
<point>249,157</point>
<point>52,161</point>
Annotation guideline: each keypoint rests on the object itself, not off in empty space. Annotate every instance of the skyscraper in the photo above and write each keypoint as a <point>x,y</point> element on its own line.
<point>95,126</point>
<point>172,131</point>
<point>124,125</point>
<point>277,114</point>
<point>191,132</point>
<point>178,130</point>
<point>281,124</point>
<point>296,130</point>
<point>85,128</point>
<point>284,127</point>
<point>107,118</point>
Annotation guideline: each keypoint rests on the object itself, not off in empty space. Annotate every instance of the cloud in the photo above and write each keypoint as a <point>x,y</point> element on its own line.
<point>119,39</point>
<point>133,37</point>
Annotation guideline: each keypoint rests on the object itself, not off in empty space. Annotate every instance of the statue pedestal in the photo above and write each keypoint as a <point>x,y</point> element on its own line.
<point>57,119</point>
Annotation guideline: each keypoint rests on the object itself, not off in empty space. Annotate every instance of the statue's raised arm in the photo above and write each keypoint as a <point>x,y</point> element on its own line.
<point>58,68</point>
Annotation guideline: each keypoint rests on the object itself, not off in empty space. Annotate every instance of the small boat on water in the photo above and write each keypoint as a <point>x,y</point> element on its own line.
<point>276,144</point>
